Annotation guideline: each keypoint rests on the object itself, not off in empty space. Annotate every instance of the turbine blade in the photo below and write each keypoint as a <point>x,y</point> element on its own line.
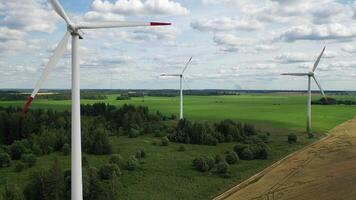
<point>321,89</point>
<point>58,53</point>
<point>318,60</point>
<point>60,11</point>
<point>186,65</point>
<point>295,74</point>
<point>118,24</point>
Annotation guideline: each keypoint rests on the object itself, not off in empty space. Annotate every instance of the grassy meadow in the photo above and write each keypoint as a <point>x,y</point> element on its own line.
<point>279,111</point>
<point>167,173</point>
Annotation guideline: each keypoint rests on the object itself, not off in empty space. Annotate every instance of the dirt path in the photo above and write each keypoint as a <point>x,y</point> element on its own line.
<point>325,170</point>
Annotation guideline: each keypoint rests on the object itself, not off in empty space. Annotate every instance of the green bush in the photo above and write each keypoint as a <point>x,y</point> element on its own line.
<point>117,159</point>
<point>16,150</point>
<point>292,138</point>
<point>132,163</point>
<point>222,168</point>
<point>203,164</point>
<point>232,158</point>
<point>140,154</point>
<point>210,161</point>
<point>165,141</point>
<point>107,171</point>
<point>200,164</point>
<point>134,133</point>
<point>11,192</point>
<point>5,160</point>
<point>239,147</point>
<point>182,148</point>
<point>246,154</point>
<point>66,149</point>
<point>218,158</point>
<point>20,166</point>
<point>29,159</point>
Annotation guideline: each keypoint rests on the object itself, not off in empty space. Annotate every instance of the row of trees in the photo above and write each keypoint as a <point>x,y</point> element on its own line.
<point>208,134</point>
<point>332,101</point>
<point>55,96</point>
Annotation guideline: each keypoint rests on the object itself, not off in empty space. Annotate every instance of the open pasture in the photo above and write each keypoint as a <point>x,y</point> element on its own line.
<point>167,173</point>
<point>274,111</point>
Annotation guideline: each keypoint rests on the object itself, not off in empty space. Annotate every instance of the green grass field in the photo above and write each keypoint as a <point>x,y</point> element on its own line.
<point>267,111</point>
<point>167,173</point>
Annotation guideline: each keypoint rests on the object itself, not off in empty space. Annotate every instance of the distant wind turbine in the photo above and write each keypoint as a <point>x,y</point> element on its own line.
<point>74,30</point>
<point>181,75</point>
<point>310,75</point>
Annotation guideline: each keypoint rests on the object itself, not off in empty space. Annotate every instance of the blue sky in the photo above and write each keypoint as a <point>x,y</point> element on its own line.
<point>234,43</point>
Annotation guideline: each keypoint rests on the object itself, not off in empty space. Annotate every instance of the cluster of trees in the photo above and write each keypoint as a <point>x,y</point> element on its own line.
<point>218,164</point>
<point>23,137</point>
<point>207,134</point>
<point>332,101</point>
<point>123,97</point>
<point>12,96</point>
<point>55,183</point>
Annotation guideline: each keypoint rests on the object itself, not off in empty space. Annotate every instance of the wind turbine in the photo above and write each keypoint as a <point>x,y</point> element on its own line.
<point>74,30</point>
<point>310,75</point>
<point>181,76</point>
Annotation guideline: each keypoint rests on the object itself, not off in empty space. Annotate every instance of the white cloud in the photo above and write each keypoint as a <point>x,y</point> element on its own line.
<point>97,16</point>
<point>10,34</point>
<point>138,7</point>
<point>319,32</point>
<point>286,58</point>
<point>226,24</point>
<point>232,43</point>
<point>31,15</point>
<point>348,48</point>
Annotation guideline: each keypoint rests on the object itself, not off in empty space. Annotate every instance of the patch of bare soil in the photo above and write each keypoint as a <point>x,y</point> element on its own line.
<point>325,170</point>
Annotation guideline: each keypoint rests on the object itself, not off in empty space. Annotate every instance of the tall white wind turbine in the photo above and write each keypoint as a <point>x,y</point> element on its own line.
<point>181,76</point>
<point>74,30</point>
<point>310,75</point>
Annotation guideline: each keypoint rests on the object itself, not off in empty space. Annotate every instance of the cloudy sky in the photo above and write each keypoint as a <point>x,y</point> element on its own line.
<point>234,43</point>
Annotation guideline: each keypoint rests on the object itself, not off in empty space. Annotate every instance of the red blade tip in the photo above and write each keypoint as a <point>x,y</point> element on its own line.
<point>27,106</point>
<point>160,24</point>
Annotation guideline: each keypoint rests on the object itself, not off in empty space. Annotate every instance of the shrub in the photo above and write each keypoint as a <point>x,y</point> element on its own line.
<point>5,160</point>
<point>182,148</point>
<point>140,154</point>
<point>310,135</point>
<point>11,192</point>
<point>264,138</point>
<point>107,171</point>
<point>165,141</point>
<point>117,159</point>
<point>249,129</point>
<point>246,154</point>
<point>292,138</point>
<point>132,163</point>
<point>218,158</point>
<point>232,158</point>
<point>211,140</point>
<point>20,166</point>
<point>210,161</point>
<point>201,164</point>
<point>134,133</point>
<point>222,168</point>
<point>239,147</point>
<point>29,160</point>
<point>16,150</point>
<point>66,149</point>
